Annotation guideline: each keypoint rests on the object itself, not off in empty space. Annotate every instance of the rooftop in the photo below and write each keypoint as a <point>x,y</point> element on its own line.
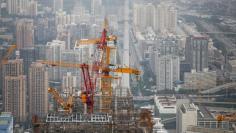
<point>232,63</point>
<point>188,107</point>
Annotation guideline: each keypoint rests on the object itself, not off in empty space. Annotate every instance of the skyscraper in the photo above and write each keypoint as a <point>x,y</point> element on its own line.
<point>38,86</point>
<point>14,89</point>
<point>25,33</point>
<point>196,52</point>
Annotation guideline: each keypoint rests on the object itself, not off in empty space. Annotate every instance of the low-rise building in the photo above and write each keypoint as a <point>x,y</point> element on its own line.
<point>6,122</point>
<point>165,104</point>
<point>186,116</point>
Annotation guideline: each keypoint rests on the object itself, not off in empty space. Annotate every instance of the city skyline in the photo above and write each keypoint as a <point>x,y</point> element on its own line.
<point>123,66</point>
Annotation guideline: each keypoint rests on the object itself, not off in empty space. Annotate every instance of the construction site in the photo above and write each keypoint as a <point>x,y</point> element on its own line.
<point>101,106</point>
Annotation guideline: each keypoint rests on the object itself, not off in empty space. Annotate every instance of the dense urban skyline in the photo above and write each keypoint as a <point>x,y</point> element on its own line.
<point>156,66</point>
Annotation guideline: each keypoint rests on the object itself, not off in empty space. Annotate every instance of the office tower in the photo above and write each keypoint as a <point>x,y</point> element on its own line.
<point>196,52</point>
<point>69,83</point>
<point>54,51</point>
<point>25,33</point>
<point>186,116</point>
<point>167,71</point>
<point>57,5</point>
<point>14,89</point>
<point>38,90</point>
<point>6,125</point>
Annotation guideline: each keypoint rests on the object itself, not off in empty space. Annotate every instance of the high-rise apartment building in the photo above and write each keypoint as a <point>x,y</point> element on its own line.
<point>196,52</point>
<point>186,116</point>
<point>22,7</point>
<point>139,13</point>
<point>45,30</point>
<point>38,90</point>
<point>14,89</point>
<point>28,55</point>
<point>54,51</point>
<point>69,83</point>
<point>160,17</point>
<point>167,71</point>
<point>2,54</point>
<point>25,33</point>
<point>96,7</point>
<point>150,15</point>
<point>57,5</point>
<point>172,19</point>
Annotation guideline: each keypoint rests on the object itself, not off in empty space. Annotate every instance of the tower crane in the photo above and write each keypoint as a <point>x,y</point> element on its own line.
<point>88,91</point>
<point>66,105</point>
<point>9,52</point>
<point>104,70</point>
<point>101,65</point>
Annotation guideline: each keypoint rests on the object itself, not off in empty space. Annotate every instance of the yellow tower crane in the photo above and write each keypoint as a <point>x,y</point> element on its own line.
<point>66,105</point>
<point>9,52</point>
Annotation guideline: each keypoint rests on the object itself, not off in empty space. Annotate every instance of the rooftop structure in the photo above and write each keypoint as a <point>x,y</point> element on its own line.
<point>165,104</point>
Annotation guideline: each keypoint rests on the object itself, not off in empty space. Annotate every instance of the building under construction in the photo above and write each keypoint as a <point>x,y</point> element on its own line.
<point>101,107</point>
<point>122,118</point>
